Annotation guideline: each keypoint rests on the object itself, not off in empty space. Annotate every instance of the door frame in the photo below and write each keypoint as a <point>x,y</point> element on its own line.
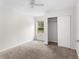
<point>56,26</point>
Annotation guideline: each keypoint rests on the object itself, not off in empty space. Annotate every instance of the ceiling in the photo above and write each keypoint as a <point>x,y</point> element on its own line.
<point>23,5</point>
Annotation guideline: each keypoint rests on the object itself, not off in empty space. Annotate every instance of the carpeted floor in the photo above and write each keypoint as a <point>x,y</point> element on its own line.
<point>62,53</point>
<point>37,50</point>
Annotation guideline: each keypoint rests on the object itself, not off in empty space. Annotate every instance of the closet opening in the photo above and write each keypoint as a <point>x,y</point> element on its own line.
<point>52,31</point>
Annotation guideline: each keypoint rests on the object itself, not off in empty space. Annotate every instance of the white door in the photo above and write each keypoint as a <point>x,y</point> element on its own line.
<point>64,31</point>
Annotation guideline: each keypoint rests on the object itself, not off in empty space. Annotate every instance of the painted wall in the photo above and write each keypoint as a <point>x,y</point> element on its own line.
<point>52,30</point>
<point>15,27</point>
<point>77,27</point>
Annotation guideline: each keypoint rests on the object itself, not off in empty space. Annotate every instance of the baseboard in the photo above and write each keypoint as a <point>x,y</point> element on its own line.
<point>13,46</point>
<point>77,54</point>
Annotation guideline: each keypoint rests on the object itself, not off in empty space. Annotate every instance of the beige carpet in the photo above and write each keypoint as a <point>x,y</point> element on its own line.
<point>62,52</point>
<point>36,50</point>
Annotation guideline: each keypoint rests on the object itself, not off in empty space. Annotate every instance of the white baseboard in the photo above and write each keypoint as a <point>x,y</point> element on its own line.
<point>77,54</point>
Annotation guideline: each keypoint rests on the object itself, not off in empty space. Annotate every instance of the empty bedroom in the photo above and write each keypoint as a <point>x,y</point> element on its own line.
<point>39,29</point>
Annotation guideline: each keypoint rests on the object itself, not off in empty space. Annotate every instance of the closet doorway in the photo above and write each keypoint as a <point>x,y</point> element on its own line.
<point>52,31</point>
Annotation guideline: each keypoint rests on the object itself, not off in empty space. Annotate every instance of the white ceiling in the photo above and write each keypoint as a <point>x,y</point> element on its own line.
<point>23,5</point>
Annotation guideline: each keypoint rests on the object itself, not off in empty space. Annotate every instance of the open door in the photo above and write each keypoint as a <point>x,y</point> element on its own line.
<point>41,29</point>
<point>64,31</point>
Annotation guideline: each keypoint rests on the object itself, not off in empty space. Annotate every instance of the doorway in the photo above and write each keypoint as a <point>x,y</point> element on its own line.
<point>52,30</point>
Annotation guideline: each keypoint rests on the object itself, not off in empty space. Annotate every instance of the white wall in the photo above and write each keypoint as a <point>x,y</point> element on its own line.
<point>52,29</point>
<point>15,27</point>
<point>65,12</point>
<point>77,21</point>
<point>77,27</point>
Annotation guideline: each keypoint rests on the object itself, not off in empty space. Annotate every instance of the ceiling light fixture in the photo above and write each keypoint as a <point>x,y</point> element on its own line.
<point>33,3</point>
